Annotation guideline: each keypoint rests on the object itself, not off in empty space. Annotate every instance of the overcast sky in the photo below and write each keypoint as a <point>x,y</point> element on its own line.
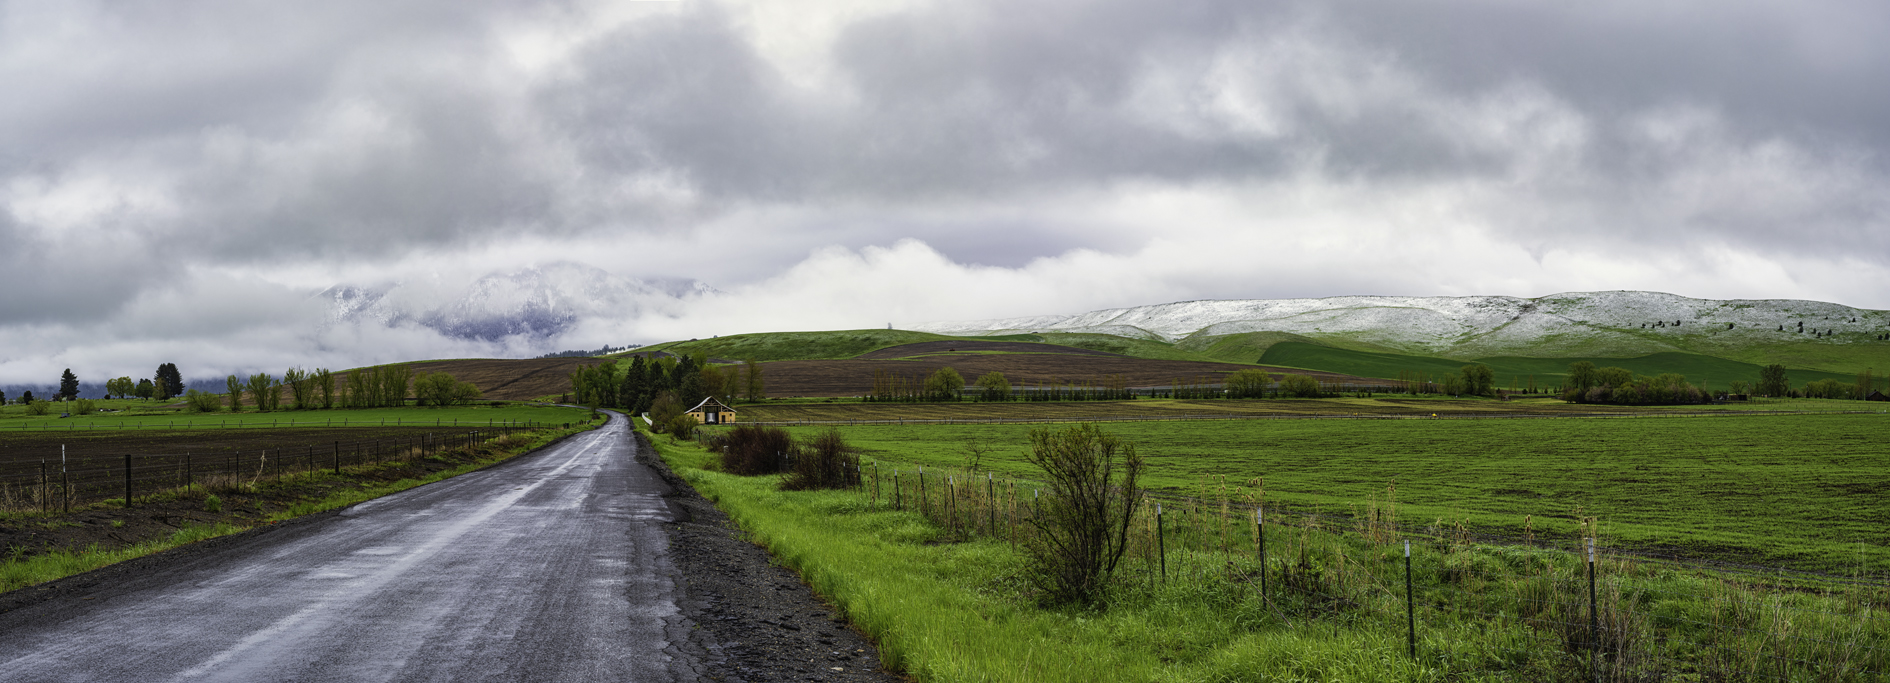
<point>178,179</point>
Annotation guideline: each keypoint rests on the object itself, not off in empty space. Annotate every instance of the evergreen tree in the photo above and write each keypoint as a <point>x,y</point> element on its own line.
<point>68,385</point>
<point>168,382</point>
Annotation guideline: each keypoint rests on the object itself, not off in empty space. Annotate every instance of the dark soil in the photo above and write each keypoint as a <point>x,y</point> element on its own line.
<point>854,377</point>
<point>953,346</point>
<point>156,515</point>
<point>165,459</point>
<point>756,620</point>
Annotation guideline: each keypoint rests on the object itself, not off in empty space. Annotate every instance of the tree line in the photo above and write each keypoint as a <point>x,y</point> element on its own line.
<point>637,386</point>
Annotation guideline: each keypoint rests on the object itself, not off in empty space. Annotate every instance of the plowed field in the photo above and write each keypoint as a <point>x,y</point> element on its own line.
<point>854,377</point>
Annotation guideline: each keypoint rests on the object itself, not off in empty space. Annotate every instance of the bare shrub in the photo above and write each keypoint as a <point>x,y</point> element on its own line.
<point>1083,524</point>
<point>824,462</point>
<point>750,450</point>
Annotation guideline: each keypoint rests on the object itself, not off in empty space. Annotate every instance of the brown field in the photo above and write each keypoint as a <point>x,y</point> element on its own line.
<point>956,346</point>
<point>95,461</point>
<point>1023,364</point>
<point>854,377</point>
<point>511,380</point>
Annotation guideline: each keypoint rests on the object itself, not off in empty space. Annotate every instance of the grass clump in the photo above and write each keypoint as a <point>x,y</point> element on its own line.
<point>212,503</point>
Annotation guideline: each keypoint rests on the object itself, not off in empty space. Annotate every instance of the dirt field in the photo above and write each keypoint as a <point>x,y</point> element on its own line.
<point>797,378</point>
<point>94,462</point>
<point>925,348</point>
<point>1023,364</point>
<point>511,380</point>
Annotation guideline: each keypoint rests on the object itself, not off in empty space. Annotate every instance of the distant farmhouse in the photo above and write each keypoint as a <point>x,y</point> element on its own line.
<point>1877,396</point>
<point>711,411</point>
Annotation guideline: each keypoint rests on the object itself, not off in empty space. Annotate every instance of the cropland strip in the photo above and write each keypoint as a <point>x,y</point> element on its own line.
<point>976,346</point>
<point>1799,491</point>
<point>99,529</point>
<point>799,378</point>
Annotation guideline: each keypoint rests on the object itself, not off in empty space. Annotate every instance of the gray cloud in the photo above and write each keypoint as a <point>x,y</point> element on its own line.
<point>174,155</point>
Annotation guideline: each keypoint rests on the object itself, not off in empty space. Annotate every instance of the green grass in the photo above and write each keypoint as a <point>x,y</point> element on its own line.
<point>1793,490</point>
<point>58,564</point>
<point>1701,370</point>
<point>147,415</point>
<point>952,606</point>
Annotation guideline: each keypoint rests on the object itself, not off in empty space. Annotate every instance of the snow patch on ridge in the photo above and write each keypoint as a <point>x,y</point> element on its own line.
<point>1642,322</point>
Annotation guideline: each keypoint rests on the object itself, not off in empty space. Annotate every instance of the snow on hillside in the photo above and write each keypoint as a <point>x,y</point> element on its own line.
<point>1642,322</point>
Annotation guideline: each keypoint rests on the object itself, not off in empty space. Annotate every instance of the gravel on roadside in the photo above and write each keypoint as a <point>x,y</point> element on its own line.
<point>752,619</point>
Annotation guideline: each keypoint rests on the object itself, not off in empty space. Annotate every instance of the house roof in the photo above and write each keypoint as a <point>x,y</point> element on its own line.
<point>710,402</point>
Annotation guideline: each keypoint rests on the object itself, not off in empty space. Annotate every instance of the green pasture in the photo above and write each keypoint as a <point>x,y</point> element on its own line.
<point>1804,491</point>
<point>1701,370</point>
<point>946,602</point>
<point>135,414</point>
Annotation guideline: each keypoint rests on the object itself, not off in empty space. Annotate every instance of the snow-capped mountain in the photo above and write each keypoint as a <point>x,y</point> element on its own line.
<point>1468,326</point>
<point>537,302</point>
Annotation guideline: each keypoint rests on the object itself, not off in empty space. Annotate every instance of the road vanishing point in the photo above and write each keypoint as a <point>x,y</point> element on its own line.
<point>552,566</point>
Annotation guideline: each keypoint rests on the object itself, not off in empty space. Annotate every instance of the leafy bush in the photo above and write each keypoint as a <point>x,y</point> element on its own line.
<point>750,450</point>
<point>681,427</point>
<point>441,389</point>
<point>1299,386</point>
<point>39,408</point>
<point>86,406</point>
<point>1247,384</point>
<point>664,410</point>
<point>202,401</point>
<point>211,503</point>
<point>1083,524</point>
<point>825,462</point>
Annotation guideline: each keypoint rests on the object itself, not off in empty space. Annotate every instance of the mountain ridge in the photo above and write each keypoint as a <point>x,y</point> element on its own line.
<point>1612,323</point>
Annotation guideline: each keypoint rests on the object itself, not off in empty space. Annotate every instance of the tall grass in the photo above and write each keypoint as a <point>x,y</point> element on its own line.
<point>927,568</point>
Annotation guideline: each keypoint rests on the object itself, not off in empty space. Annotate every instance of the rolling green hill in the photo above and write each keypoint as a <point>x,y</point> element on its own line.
<point>1699,369</point>
<point>1286,349</point>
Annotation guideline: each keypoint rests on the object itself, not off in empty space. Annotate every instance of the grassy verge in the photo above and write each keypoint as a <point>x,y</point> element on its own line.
<point>945,602</point>
<point>298,494</point>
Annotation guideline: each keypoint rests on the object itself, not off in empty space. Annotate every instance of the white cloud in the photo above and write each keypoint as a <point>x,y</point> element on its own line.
<point>175,184</point>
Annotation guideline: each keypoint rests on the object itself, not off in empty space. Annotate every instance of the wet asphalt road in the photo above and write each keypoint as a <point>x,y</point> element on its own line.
<point>550,567</point>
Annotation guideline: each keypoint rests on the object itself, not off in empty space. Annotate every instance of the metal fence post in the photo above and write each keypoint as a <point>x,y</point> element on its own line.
<point>1594,619</point>
<point>1410,607</point>
<point>1161,544</point>
<point>1260,538</point>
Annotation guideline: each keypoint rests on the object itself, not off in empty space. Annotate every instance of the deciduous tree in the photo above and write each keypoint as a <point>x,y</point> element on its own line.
<point>992,386</point>
<point>234,385</point>
<point>1582,376</point>
<point>757,388</point>
<point>1772,381</point>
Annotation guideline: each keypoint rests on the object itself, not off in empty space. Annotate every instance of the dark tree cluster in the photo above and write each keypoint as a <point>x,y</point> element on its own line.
<point>636,386</point>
